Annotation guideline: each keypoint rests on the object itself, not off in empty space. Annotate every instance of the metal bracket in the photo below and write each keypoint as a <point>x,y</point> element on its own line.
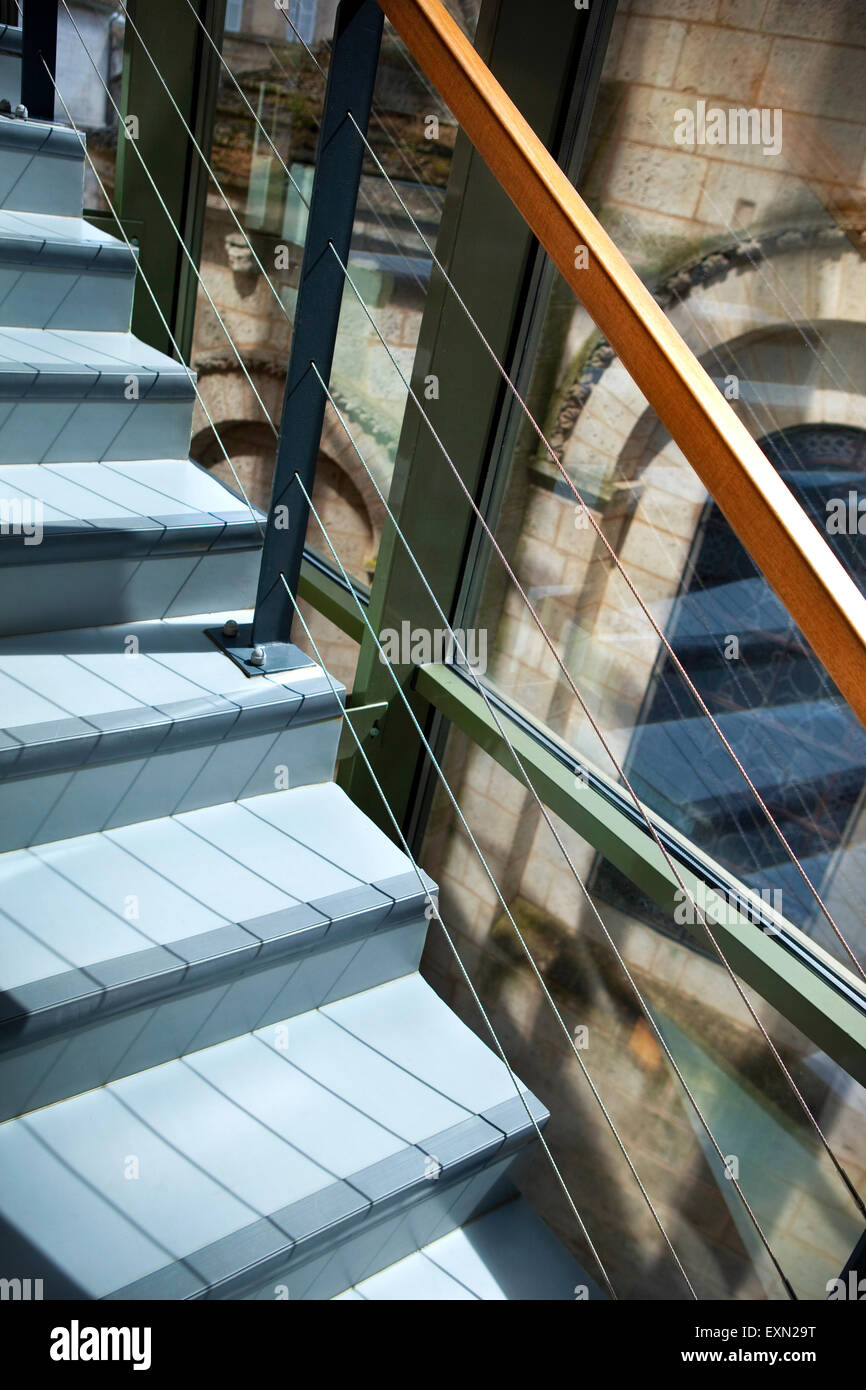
<point>363,719</point>
<point>264,659</point>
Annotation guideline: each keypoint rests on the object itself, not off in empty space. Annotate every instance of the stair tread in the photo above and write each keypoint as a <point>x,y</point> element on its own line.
<point>46,354</point>
<point>60,272</point>
<point>506,1254</point>
<point>89,916</point>
<point>138,507</point>
<point>42,232</point>
<point>72,697</point>
<point>40,136</point>
<point>250,1149</point>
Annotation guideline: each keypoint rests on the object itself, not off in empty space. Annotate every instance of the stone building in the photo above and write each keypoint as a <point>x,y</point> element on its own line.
<point>758,258</point>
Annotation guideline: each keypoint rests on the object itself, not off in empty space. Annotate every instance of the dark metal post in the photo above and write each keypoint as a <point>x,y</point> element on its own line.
<point>351,77</point>
<point>38,43</point>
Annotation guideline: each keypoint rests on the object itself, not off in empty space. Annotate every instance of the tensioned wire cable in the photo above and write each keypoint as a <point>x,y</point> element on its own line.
<point>796,323</point>
<point>419,232</point>
<point>733,360</point>
<point>705,710</point>
<point>139,272</point>
<point>257,119</point>
<point>347,720</point>
<point>644,608</point>
<point>363,191</point>
<point>525,777</point>
<point>421,75</point>
<point>414,171</point>
<point>433,911</point>
<point>657,629</point>
<point>680,669</point>
<point>201,154</point>
<point>642,811</point>
<point>626,782</point>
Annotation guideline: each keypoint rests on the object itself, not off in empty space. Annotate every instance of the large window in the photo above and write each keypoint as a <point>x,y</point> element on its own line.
<point>751,246</point>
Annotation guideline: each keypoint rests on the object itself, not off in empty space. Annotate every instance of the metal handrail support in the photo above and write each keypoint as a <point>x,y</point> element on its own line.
<point>339,157</point>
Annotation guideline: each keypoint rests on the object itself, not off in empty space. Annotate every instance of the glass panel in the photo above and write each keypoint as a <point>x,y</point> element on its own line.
<point>94,30</point>
<point>743,219</point>
<point>279,56</point>
<point>809,1219</point>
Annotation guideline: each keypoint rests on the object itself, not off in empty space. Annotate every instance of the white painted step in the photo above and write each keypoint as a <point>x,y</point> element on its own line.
<point>62,272</point>
<point>505,1255</point>
<point>41,167</point>
<point>103,543</point>
<point>108,726</point>
<point>71,394</point>
<point>124,949</point>
<point>321,1142</point>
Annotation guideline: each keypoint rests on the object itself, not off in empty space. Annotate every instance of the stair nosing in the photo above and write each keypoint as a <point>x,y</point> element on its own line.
<point>86,539</point>
<point>279,1248</point>
<point>323,921</point>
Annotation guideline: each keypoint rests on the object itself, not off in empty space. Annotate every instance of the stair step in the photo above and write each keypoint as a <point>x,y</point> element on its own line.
<point>102,543</point>
<point>41,167</point>
<point>114,725</point>
<point>508,1253</point>
<point>357,1126</point>
<point>62,272</point>
<point>130,947</point>
<point>67,395</point>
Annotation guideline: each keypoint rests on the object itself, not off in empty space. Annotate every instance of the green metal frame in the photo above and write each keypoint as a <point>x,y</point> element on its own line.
<point>329,596</point>
<point>190,68</point>
<point>829,1007</point>
<point>813,991</point>
<point>492,257</point>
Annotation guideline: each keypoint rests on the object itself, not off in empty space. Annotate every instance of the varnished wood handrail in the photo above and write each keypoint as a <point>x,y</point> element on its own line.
<point>790,551</point>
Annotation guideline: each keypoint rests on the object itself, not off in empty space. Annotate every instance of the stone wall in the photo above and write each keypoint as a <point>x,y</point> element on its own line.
<point>758,260</point>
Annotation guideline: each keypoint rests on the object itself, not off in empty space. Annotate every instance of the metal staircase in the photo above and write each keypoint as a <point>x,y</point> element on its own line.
<point>221,1074</point>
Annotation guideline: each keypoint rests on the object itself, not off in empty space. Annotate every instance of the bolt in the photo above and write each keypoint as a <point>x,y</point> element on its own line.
<point>230,629</point>
<point>257,656</point>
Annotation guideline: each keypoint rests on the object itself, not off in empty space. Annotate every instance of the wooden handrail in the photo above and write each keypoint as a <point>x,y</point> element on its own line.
<point>790,551</point>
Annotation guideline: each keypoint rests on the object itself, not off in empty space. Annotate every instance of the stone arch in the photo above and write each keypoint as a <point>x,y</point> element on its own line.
<point>643,492</point>
<point>343,496</point>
